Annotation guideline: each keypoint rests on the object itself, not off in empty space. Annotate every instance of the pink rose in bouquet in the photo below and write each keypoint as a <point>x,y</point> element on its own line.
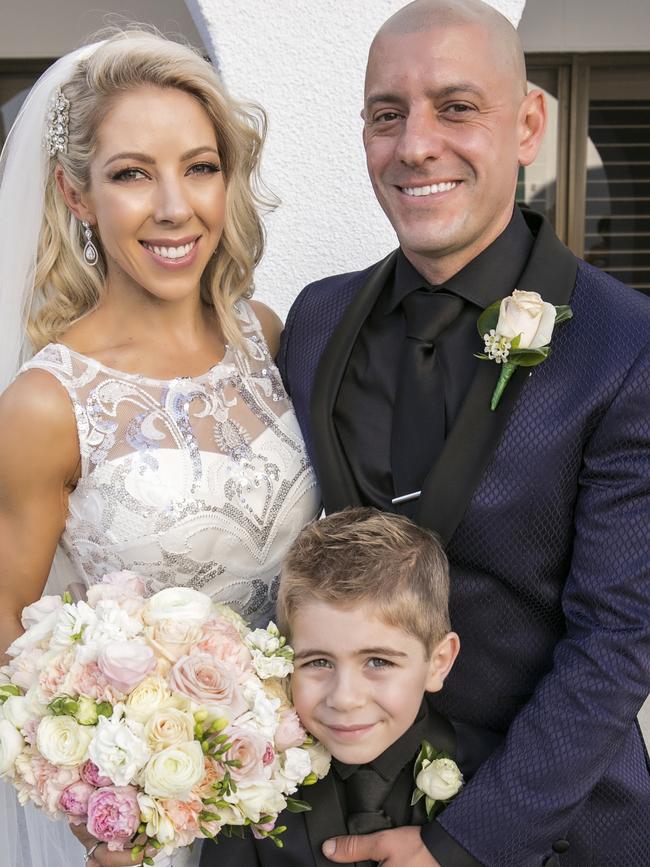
<point>74,801</point>
<point>125,664</point>
<point>247,751</point>
<point>290,732</point>
<point>209,682</point>
<point>114,815</point>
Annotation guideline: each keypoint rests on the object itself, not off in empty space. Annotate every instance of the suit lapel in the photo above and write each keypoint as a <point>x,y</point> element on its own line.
<point>336,479</point>
<point>325,819</point>
<point>551,271</point>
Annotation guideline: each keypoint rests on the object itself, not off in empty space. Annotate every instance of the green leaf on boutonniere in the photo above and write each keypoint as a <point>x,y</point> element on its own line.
<point>296,806</point>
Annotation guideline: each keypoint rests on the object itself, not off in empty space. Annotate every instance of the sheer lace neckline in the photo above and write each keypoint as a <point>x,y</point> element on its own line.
<point>141,378</point>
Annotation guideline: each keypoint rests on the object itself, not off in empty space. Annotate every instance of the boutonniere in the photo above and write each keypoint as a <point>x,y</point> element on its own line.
<point>437,779</point>
<point>517,332</point>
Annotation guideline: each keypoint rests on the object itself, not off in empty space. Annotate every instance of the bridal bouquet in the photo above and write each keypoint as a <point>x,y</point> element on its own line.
<point>152,720</point>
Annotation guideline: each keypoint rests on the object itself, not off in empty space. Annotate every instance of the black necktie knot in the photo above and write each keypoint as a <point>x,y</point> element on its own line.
<point>429,313</point>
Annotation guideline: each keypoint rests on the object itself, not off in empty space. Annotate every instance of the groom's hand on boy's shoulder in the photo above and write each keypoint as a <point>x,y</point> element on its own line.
<point>392,848</point>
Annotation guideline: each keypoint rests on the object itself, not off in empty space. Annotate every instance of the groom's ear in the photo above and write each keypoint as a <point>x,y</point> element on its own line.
<point>442,659</point>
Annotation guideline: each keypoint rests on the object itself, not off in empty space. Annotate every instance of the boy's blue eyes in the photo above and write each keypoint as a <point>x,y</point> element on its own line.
<point>373,662</point>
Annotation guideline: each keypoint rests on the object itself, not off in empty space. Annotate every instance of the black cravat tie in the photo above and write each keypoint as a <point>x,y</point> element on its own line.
<point>366,791</point>
<point>418,432</point>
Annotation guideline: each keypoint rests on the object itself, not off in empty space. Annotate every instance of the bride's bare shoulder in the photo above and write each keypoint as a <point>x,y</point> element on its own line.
<point>37,421</point>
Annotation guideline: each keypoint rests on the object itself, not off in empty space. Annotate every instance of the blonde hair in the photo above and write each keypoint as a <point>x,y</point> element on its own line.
<point>65,286</point>
<point>364,555</point>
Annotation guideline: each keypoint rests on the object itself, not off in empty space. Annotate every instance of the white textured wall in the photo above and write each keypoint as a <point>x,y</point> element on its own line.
<point>304,61</point>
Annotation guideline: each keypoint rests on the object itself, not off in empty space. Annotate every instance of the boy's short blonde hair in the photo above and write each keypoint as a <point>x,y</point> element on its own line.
<point>364,555</point>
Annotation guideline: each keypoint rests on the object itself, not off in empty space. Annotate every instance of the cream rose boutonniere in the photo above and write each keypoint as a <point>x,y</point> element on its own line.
<point>517,332</point>
<point>437,779</point>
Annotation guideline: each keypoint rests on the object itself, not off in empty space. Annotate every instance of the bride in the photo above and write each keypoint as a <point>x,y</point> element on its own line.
<point>150,430</point>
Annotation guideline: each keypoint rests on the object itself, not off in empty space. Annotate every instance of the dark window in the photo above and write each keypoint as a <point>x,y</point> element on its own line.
<point>592,178</point>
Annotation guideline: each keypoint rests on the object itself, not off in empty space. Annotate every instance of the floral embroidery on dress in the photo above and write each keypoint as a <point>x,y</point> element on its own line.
<point>201,481</point>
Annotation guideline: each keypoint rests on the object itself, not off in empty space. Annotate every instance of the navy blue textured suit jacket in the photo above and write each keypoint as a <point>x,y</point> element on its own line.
<point>545,508</point>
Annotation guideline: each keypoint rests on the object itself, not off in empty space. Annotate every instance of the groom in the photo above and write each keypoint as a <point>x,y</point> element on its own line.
<point>544,503</point>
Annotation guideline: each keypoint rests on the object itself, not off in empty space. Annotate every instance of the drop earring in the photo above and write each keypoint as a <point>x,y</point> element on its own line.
<point>90,251</point>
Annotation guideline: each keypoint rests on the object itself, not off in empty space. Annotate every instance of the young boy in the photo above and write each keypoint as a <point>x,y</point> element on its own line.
<point>363,600</point>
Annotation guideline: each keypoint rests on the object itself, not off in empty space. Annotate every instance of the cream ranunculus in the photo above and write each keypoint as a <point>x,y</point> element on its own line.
<point>173,773</point>
<point>177,603</point>
<point>168,727</point>
<point>11,746</point>
<point>525,313</point>
<point>149,696</point>
<point>440,779</point>
<point>62,741</point>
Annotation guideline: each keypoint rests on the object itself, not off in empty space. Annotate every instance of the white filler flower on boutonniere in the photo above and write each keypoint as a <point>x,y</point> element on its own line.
<point>517,332</point>
<point>437,779</point>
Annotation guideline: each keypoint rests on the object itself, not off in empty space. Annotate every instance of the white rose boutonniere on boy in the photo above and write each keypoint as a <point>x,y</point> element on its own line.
<point>517,332</point>
<point>437,779</point>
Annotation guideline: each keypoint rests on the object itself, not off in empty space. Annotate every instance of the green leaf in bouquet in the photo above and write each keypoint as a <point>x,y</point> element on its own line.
<point>8,689</point>
<point>296,806</point>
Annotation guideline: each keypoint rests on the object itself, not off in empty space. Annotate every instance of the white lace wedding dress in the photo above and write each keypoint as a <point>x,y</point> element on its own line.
<point>201,482</point>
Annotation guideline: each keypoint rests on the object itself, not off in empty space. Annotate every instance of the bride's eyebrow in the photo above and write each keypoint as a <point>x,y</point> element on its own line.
<point>130,155</point>
<point>145,158</point>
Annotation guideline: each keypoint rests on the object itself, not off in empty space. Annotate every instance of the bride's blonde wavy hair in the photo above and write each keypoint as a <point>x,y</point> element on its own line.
<point>65,286</point>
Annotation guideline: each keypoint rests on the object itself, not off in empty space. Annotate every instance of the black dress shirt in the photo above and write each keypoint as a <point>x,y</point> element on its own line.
<point>363,413</point>
<point>395,765</point>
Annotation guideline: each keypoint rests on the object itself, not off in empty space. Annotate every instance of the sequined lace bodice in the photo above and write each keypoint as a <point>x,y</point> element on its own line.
<point>202,482</point>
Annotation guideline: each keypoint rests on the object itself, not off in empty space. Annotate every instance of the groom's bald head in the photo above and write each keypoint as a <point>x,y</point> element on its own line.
<point>425,15</point>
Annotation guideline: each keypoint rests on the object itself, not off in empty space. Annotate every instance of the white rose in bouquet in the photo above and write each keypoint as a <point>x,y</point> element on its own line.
<point>440,779</point>
<point>150,695</point>
<point>40,610</point>
<point>62,741</point>
<point>177,603</point>
<point>11,746</point>
<point>168,727</point>
<point>21,709</point>
<point>173,773</point>
<point>525,313</point>
<point>320,759</point>
<point>259,798</point>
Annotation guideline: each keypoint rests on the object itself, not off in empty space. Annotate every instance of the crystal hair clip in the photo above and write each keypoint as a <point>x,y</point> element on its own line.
<point>58,113</point>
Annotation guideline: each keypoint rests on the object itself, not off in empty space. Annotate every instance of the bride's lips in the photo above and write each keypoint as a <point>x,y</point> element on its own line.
<point>172,253</point>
